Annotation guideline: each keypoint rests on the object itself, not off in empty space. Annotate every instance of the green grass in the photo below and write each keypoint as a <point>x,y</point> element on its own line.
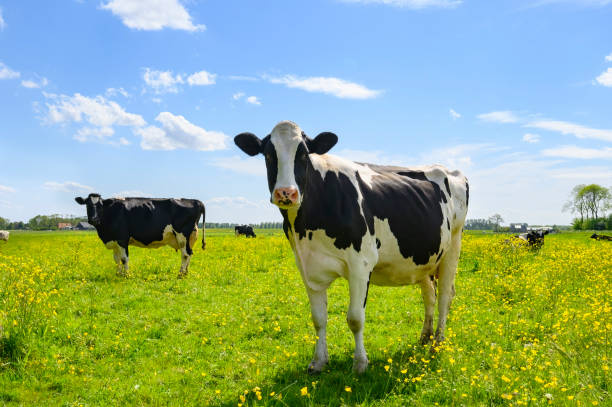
<point>525,327</point>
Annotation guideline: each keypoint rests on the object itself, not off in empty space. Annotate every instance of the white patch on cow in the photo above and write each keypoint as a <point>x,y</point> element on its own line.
<point>286,137</point>
<point>168,239</point>
<point>328,162</point>
<point>4,235</point>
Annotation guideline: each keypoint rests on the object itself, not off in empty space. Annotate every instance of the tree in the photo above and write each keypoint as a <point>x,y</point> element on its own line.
<point>597,199</point>
<point>496,219</point>
<point>577,204</point>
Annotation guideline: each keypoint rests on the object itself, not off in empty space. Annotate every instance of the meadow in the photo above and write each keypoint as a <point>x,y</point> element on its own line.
<point>526,327</point>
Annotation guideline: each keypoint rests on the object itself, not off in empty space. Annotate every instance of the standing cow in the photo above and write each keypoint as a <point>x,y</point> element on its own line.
<point>145,222</point>
<point>4,235</point>
<point>388,226</point>
<point>244,230</point>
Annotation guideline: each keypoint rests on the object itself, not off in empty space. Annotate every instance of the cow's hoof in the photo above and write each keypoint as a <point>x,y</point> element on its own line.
<point>426,337</point>
<point>181,275</point>
<point>360,366</point>
<point>315,368</point>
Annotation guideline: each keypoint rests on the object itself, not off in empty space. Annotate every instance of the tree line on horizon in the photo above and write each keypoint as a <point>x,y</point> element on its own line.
<point>590,203</point>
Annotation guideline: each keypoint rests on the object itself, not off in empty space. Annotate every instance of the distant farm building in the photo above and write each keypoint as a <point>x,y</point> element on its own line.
<point>518,227</point>
<point>64,226</point>
<point>84,226</point>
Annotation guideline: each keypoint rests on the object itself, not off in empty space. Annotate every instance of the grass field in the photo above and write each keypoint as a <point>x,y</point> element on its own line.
<point>526,328</point>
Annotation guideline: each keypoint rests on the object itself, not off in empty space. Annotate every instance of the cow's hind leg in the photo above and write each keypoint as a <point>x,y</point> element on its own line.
<point>358,290</point>
<point>117,257</point>
<point>446,284</point>
<point>318,310</point>
<point>186,253</point>
<point>428,291</point>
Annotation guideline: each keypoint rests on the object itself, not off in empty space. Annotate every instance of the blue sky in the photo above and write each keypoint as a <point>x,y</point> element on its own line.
<point>129,97</point>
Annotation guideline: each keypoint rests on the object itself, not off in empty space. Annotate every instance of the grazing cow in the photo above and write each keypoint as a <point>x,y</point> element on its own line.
<point>4,235</point>
<point>534,238</point>
<point>244,230</point>
<point>145,222</point>
<point>595,236</point>
<point>389,226</point>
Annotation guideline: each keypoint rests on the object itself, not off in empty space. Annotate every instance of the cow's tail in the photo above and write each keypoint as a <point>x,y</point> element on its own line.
<point>203,211</point>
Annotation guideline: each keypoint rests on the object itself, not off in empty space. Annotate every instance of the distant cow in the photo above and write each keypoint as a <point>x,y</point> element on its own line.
<point>600,237</point>
<point>244,230</point>
<point>145,222</point>
<point>389,226</point>
<point>4,235</point>
<point>534,238</point>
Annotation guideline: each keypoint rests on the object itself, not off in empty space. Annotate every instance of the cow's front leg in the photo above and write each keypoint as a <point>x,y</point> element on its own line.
<point>117,257</point>
<point>358,290</point>
<point>318,310</point>
<point>428,291</point>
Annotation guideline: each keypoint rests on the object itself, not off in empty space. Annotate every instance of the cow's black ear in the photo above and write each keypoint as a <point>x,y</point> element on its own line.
<point>79,200</point>
<point>322,143</point>
<point>249,143</point>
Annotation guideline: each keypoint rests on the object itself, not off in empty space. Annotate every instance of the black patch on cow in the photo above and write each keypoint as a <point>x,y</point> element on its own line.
<point>432,278</point>
<point>377,243</point>
<point>447,187</point>
<point>331,204</point>
<point>286,224</point>
<point>309,235</point>
<point>467,193</point>
<point>411,203</point>
<point>444,197</point>
<point>447,224</point>
<point>300,166</point>
<point>439,257</point>
<point>246,230</point>
<point>269,153</point>
<point>365,300</point>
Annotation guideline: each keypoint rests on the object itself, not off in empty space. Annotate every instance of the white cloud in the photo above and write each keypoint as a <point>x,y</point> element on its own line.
<point>253,100</point>
<point>35,84</point>
<point>178,133</point>
<point>68,186</point>
<point>239,201</point>
<point>578,152</point>
<point>2,23</point>
<point>412,4</point>
<point>238,95</point>
<point>328,85</point>
<point>605,78</point>
<point>152,15</point>
<point>8,73</point>
<point>243,78</point>
<point>572,128</point>
<point>4,188</point>
<point>162,81</point>
<point>201,78</point>
<point>502,116</point>
<point>584,3</point>
<point>132,193</point>
<point>531,138</point>
<point>112,92</point>
<point>97,111</point>
<point>99,135</point>
<point>609,58</point>
<point>454,114</point>
<point>242,165</point>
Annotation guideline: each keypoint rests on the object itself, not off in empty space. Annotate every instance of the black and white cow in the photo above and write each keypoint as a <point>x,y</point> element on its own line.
<point>388,226</point>
<point>145,222</point>
<point>244,230</point>
<point>534,238</point>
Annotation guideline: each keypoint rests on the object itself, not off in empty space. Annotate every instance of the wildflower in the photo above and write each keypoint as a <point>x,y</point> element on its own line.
<point>387,368</point>
<point>304,391</point>
<point>348,389</point>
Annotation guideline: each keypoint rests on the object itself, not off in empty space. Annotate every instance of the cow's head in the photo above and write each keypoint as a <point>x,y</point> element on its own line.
<point>287,151</point>
<point>94,207</point>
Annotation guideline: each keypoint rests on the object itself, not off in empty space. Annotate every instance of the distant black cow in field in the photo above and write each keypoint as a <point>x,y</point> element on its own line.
<point>145,222</point>
<point>244,230</point>
<point>601,237</point>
